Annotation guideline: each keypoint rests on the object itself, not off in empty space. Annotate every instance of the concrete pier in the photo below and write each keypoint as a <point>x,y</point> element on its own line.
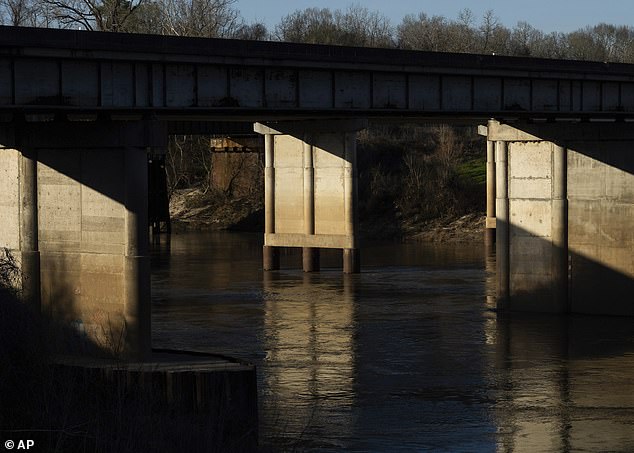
<point>311,190</point>
<point>502,224</point>
<point>565,210</point>
<point>75,210</point>
<point>137,302</point>
<point>271,255</point>
<point>559,229</point>
<point>489,232</point>
<point>29,244</point>
<point>310,255</point>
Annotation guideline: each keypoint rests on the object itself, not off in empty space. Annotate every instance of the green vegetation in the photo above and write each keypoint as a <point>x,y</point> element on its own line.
<point>410,175</point>
<point>473,172</point>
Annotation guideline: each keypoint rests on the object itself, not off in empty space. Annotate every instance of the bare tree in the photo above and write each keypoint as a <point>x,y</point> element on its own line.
<point>525,40</point>
<point>494,37</point>
<point>17,12</point>
<point>312,25</point>
<point>255,32</point>
<point>437,34</point>
<point>202,18</point>
<point>603,42</point>
<point>421,32</point>
<point>101,15</point>
<point>356,26</point>
<point>25,13</point>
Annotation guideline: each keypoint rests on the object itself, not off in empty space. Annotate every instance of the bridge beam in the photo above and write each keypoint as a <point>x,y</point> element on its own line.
<point>80,226</point>
<point>311,190</point>
<point>565,210</point>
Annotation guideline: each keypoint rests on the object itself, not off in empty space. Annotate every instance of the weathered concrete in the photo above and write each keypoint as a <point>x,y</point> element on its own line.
<point>571,207</point>
<point>310,255</point>
<point>600,234</point>
<point>311,189</point>
<point>502,224</point>
<point>489,234</point>
<point>45,70</point>
<point>174,385</point>
<point>559,229</point>
<point>30,263</point>
<point>271,255</point>
<point>19,220</point>
<point>90,227</point>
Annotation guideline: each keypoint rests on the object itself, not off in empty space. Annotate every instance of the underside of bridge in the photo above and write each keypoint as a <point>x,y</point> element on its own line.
<point>79,113</point>
<point>75,199</point>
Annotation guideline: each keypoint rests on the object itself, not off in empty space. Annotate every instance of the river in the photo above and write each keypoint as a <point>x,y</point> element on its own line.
<point>406,356</point>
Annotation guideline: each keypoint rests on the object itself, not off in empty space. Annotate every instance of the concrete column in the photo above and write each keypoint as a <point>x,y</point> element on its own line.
<point>316,203</point>
<point>559,230</point>
<point>271,255</point>
<point>310,255</point>
<point>489,237</point>
<point>137,308</point>
<point>502,249</point>
<point>351,256</point>
<point>30,255</point>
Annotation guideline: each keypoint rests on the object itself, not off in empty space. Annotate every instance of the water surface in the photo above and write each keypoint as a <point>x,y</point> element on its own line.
<point>406,356</point>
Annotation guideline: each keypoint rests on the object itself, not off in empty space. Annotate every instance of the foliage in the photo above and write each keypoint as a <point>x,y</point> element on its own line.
<point>410,174</point>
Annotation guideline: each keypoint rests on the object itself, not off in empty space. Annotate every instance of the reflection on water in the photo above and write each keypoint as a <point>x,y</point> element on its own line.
<point>406,355</point>
<point>567,384</point>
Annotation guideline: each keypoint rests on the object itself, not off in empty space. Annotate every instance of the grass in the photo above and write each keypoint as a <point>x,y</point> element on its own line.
<point>473,172</point>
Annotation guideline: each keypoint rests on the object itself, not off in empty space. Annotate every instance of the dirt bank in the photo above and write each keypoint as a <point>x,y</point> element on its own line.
<point>193,209</point>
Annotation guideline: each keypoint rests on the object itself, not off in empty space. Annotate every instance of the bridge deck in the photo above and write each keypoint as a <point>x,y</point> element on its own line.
<point>48,71</point>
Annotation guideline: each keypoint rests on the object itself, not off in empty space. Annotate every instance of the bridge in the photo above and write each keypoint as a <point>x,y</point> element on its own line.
<point>79,112</point>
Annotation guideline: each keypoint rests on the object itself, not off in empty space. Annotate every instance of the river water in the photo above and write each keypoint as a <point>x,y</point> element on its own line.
<point>406,356</point>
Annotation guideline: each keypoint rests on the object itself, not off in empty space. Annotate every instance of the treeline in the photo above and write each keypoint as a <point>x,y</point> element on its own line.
<point>354,26</point>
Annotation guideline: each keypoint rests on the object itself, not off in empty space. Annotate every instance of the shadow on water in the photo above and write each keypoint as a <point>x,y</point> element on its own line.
<point>405,356</point>
<point>564,383</point>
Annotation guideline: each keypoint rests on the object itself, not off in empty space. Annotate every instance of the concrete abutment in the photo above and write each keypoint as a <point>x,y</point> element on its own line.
<point>311,190</point>
<point>564,217</point>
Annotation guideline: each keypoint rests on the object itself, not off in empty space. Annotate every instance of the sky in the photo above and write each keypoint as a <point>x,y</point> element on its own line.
<point>545,15</point>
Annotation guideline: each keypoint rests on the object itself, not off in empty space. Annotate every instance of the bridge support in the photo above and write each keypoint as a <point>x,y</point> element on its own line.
<point>81,225</point>
<point>311,190</point>
<point>565,210</point>
<point>19,216</point>
<point>489,235</point>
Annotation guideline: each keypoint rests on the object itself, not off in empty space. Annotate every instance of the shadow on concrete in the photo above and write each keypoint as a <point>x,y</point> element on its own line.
<point>586,139</point>
<point>593,288</point>
<point>64,385</point>
<point>600,212</point>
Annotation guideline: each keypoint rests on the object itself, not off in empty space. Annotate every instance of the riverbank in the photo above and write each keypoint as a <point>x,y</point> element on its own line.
<point>195,210</point>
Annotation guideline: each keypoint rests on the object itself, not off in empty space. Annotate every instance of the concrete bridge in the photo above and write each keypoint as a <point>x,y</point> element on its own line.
<point>79,112</point>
